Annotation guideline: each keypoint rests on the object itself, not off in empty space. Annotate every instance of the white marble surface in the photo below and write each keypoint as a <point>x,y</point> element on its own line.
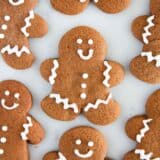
<point>122,46</point>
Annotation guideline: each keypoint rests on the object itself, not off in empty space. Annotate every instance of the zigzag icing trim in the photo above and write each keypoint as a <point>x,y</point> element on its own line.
<point>151,58</point>
<point>98,102</point>
<point>26,127</point>
<point>15,50</point>
<point>143,155</point>
<point>27,23</point>
<point>143,131</point>
<point>106,74</point>
<point>53,72</point>
<point>61,156</point>
<point>147,33</point>
<point>65,102</point>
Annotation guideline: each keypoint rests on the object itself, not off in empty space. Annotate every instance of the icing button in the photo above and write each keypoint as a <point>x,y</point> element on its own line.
<point>4,128</point>
<point>83,96</point>
<point>1,151</point>
<point>3,140</point>
<point>85,75</point>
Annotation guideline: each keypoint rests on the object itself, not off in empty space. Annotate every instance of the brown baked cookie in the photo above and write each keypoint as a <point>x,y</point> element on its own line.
<point>145,130</point>
<point>18,22</point>
<point>80,143</point>
<point>146,67</point>
<point>81,79</point>
<point>72,7</point>
<point>17,127</point>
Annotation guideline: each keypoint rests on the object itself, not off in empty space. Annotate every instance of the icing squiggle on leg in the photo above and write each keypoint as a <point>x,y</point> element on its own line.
<point>61,156</point>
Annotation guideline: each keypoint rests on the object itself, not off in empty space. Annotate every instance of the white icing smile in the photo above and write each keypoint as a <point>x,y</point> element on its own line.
<point>16,3</point>
<point>87,155</point>
<point>14,106</point>
<point>89,56</point>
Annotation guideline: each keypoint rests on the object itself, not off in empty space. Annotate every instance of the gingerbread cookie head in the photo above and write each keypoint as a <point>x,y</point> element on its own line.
<point>72,7</point>
<point>146,131</point>
<point>14,97</point>
<point>83,44</point>
<point>82,143</point>
<point>18,22</point>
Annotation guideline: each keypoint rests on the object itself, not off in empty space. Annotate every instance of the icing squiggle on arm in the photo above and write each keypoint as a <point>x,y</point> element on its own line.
<point>27,23</point>
<point>53,72</point>
<point>151,58</point>
<point>147,33</point>
<point>7,49</point>
<point>106,74</point>
<point>143,155</point>
<point>65,102</point>
<point>144,130</point>
<point>98,102</point>
<point>26,127</point>
<point>61,156</point>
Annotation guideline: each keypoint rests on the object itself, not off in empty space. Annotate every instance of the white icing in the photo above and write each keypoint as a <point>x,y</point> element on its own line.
<point>147,33</point>
<point>84,85</point>
<point>61,156</point>
<point>96,1</point>
<point>6,93</point>
<point>151,58</point>
<point>143,155</point>
<point>83,96</point>
<point>90,143</point>
<point>78,142</point>
<point>98,102</point>
<point>4,27</point>
<point>2,36</point>
<point>79,41</point>
<point>15,50</point>
<point>27,23</point>
<point>26,127</point>
<point>3,140</point>
<point>7,18</point>
<point>82,1</point>
<point>106,74</point>
<point>4,128</point>
<point>17,95</point>
<point>80,155</point>
<point>1,151</point>
<point>53,72</point>
<point>90,41</point>
<point>83,57</point>
<point>16,2</point>
<point>3,104</point>
<point>85,75</point>
<point>65,102</point>
<point>143,131</point>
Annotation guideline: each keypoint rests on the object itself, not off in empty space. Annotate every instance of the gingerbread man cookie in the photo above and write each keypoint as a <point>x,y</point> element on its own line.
<point>81,78</point>
<point>80,143</point>
<point>145,130</point>
<point>72,7</point>
<point>18,22</point>
<point>146,66</point>
<point>17,127</point>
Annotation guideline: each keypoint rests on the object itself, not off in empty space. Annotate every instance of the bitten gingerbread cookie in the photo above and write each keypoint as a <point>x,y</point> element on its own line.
<point>72,7</point>
<point>80,143</point>
<point>146,66</point>
<point>17,127</point>
<point>145,130</point>
<point>81,78</point>
<point>18,22</point>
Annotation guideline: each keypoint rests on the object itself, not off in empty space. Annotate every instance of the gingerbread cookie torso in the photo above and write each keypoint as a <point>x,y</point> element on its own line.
<point>17,127</point>
<point>18,22</point>
<point>146,66</point>
<point>146,131</point>
<point>72,7</point>
<point>81,78</point>
<point>80,143</point>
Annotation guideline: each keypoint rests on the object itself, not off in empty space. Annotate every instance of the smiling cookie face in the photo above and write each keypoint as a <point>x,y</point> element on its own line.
<point>14,97</point>
<point>83,43</point>
<point>83,143</point>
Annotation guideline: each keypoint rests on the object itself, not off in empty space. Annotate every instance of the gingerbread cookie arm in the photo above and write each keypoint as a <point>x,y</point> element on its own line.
<point>134,126</point>
<point>51,156</point>
<point>131,156</point>
<point>33,131</point>
<point>116,73</point>
<point>38,27</point>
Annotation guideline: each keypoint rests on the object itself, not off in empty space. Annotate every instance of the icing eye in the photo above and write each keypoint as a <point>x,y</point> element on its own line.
<point>90,42</point>
<point>17,95</point>
<point>7,93</point>
<point>78,141</point>
<point>91,144</point>
<point>16,2</point>
<point>79,41</point>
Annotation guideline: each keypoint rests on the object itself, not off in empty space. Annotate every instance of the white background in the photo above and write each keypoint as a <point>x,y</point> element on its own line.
<point>122,47</point>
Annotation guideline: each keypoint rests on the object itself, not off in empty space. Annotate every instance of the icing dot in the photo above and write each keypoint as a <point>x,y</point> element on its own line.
<point>1,151</point>
<point>84,85</point>
<point>91,144</point>
<point>7,93</point>
<point>16,95</point>
<point>78,141</point>
<point>85,75</point>
<point>82,1</point>
<point>90,41</point>
<point>2,36</point>
<point>83,96</point>
<point>4,27</point>
<point>3,140</point>
<point>79,41</point>
<point>7,18</point>
<point>4,128</point>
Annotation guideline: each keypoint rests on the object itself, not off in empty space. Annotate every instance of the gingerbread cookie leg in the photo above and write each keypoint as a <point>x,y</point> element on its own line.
<point>51,155</point>
<point>103,112</point>
<point>38,27</point>
<point>131,156</point>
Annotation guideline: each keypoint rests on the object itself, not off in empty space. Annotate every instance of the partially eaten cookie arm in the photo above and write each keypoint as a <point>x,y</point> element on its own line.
<point>36,132</point>
<point>38,27</point>
<point>51,156</point>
